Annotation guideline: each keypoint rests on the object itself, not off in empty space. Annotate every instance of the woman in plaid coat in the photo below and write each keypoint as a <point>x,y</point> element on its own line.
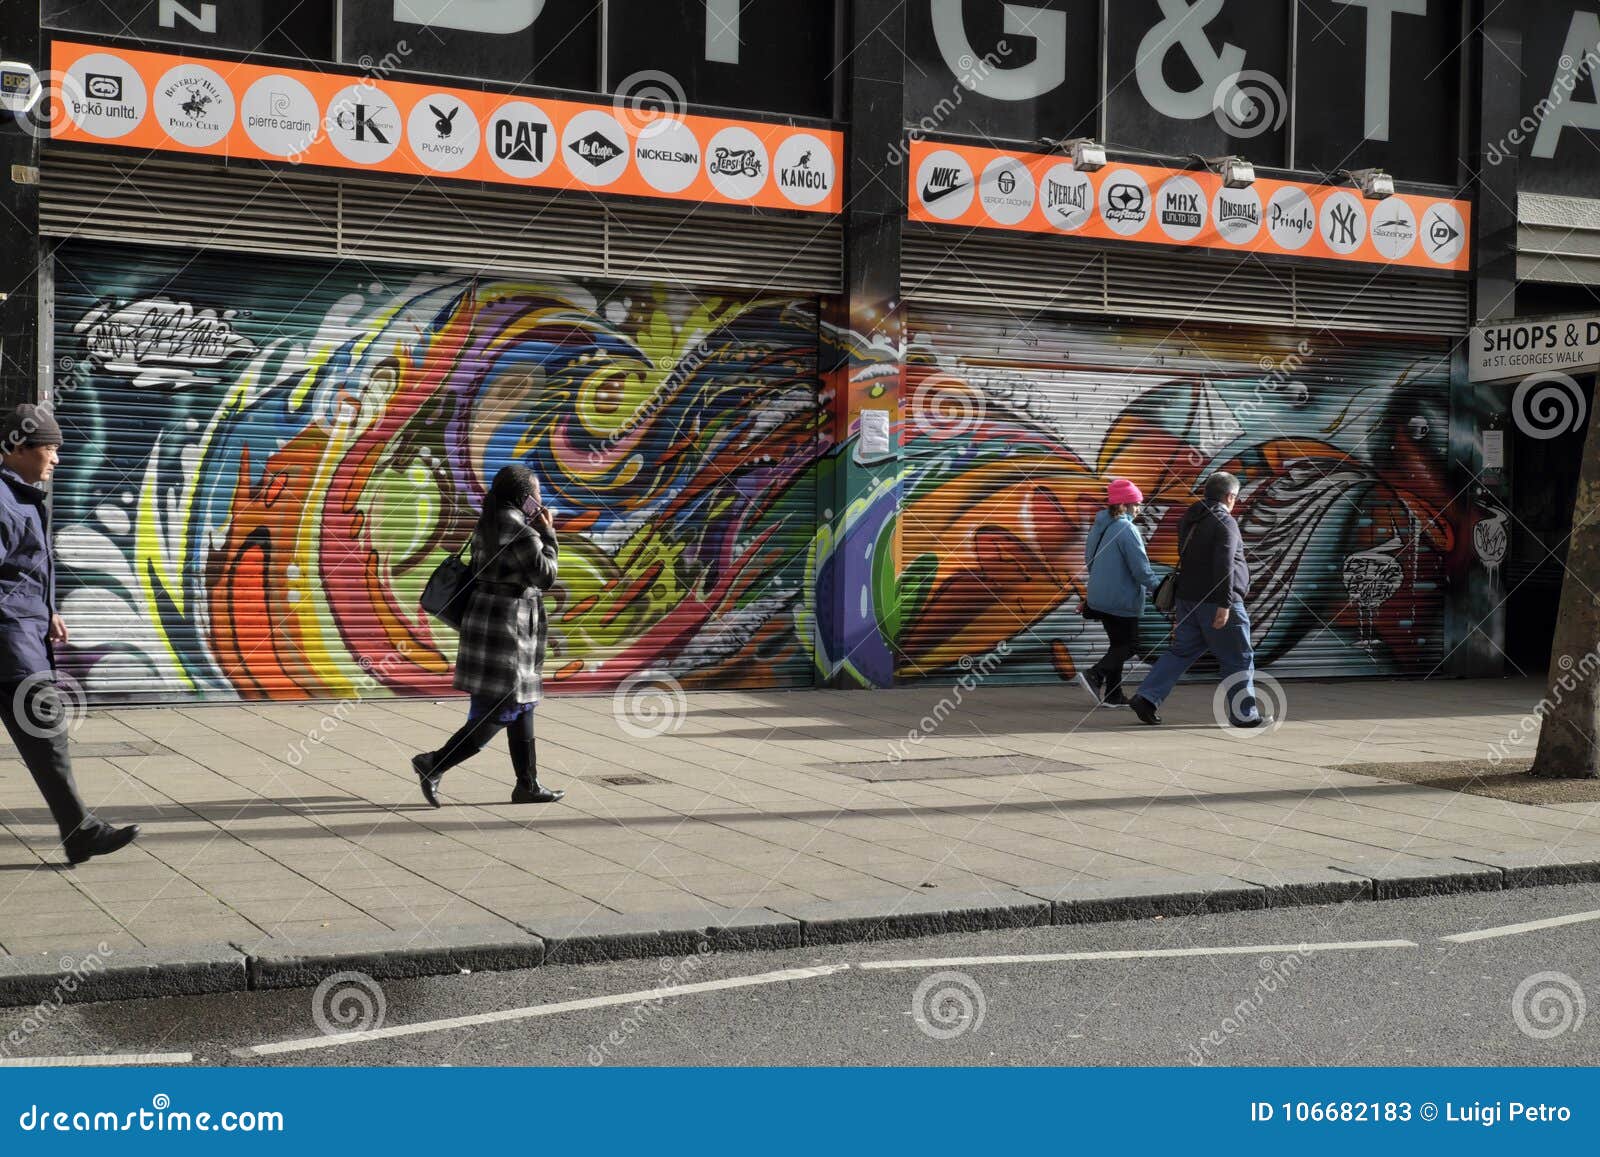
<point>503,635</point>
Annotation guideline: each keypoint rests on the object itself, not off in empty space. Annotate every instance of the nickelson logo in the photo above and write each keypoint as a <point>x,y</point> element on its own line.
<point>519,141</point>
<point>1242,212</point>
<point>1066,199</point>
<point>597,149</point>
<point>1182,210</point>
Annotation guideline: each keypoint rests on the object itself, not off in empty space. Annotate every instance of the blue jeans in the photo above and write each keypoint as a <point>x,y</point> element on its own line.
<point>1193,637</point>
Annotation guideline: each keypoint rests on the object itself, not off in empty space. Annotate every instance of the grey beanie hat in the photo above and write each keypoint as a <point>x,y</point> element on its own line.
<point>30,425</point>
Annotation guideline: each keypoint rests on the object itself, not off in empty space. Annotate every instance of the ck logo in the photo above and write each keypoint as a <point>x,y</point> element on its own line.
<point>1342,225</point>
<point>361,125</point>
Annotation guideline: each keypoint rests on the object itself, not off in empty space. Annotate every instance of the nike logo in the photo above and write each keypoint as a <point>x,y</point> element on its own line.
<point>929,196</point>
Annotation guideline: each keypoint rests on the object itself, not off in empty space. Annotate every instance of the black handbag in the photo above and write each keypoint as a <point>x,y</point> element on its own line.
<point>1166,596</point>
<point>450,588</point>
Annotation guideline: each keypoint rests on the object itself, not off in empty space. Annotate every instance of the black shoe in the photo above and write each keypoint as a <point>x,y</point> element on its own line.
<point>423,766</point>
<point>1114,698</point>
<point>533,793</point>
<point>1094,683</point>
<point>1258,721</point>
<point>101,841</point>
<point>1145,710</point>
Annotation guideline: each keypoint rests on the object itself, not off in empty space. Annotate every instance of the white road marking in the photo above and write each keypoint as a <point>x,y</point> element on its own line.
<point>1138,954</point>
<point>96,1061</point>
<point>399,1030</point>
<point>1518,929</point>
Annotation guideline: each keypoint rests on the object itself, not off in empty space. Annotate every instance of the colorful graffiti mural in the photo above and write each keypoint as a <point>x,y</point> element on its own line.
<point>265,473</point>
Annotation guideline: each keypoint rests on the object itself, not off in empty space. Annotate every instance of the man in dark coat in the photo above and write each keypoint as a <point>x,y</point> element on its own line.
<point>1213,581</point>
<point>30,702</point>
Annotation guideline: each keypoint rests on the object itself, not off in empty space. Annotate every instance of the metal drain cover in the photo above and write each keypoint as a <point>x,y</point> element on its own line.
<point>887,771</point>
<point>631,779</point>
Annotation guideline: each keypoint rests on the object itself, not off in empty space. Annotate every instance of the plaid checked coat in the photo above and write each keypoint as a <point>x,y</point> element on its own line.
<point>503,631</point>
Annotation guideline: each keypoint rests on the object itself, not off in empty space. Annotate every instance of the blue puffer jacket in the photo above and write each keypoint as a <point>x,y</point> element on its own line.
<point>1119,570</point>
<point>27,580</point>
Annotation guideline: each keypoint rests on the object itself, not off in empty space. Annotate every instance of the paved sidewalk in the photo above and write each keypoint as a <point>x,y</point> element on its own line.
<point>252,831</point>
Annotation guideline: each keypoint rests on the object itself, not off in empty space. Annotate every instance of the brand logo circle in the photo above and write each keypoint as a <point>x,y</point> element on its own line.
<point>194,105</point>
<point>1066,198</point>
<point>1444,233</point>
<point>364,124</point>
<point>944,184</point>
<point>1181,208</point>
<point>668,156</point>
<point>595,148</point>
<point>1006,191</point>
<point>736,162</point>
<point>1291,217</point>
<point>1237,215</point>
<point>521,139</point>
<point>805,170</point>
<point>1394,228</point>
<point>1343,221</point>
<point>280,115</point>
<point>106,97</point>
<point>1125,202</point>
<point>442,132</point>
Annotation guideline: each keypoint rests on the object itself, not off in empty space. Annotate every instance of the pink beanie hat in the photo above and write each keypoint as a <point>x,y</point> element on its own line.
<point>1121,492</point>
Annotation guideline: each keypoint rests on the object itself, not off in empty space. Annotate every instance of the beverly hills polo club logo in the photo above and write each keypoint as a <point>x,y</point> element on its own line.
<point>194,105</point>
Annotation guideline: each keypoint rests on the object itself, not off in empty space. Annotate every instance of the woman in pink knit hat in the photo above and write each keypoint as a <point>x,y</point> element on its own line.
<point>1120,575</point>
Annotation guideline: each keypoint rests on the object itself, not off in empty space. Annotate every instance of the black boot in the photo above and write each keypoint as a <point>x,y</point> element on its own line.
<point>100,841</point>
<point>525,762</point>
<point>427,777</point>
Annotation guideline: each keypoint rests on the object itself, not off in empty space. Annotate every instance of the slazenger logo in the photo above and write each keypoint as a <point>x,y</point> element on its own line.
<point>1396,228</point>
<point>519,140</point>
<point>597,149</point>
<point>802,176</point>
<point>1182,210</point>
<point>943,181</point>
<point>1244,212</point>
<point>1066,199</point>
<point>1300,222</point>
<point>1124,202</point>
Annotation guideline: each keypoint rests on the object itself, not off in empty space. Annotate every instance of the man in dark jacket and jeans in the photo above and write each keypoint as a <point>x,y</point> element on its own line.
<point>1213,581</point>
<point>30,703</point>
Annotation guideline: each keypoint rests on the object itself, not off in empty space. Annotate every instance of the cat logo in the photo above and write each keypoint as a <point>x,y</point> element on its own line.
<point>520,141</point>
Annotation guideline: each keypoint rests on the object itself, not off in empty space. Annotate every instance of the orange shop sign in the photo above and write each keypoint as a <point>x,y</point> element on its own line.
<point>1035,193</point>
<point>150,100</point>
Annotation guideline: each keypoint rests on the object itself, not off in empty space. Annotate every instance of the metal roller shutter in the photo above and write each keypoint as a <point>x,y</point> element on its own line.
<point>1014,424</point>
<point>268,457</point>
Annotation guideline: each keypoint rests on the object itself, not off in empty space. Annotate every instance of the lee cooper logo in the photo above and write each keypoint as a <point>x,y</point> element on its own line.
<point>597,148</point>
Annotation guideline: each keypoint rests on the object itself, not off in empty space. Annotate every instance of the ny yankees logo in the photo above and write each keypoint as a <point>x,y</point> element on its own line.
<point>1184,27</point>
<point>1342,225</point>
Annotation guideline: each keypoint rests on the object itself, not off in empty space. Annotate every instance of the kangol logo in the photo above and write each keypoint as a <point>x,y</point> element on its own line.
<point>801,175</point>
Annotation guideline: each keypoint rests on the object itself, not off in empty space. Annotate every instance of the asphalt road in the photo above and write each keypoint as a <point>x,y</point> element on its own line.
<point>1508,1000</point>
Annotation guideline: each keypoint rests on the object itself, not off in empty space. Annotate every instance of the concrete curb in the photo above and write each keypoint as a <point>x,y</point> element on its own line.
<point>125,974</point>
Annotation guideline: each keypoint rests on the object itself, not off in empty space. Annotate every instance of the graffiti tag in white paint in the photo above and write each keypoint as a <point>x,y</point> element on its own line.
<point>161,342</point>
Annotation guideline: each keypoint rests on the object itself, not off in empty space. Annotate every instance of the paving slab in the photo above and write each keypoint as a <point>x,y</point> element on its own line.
<point>102,972</point>
<point>387,955</point>
<point>1401,876</point>
<point>892,917</point>
<point>1557,865</point>
<point>1087,901</point>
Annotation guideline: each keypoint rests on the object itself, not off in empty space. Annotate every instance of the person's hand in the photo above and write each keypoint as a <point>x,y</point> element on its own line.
<point>58,629</point>
<point>1220,619</point>
<point>545,519</point>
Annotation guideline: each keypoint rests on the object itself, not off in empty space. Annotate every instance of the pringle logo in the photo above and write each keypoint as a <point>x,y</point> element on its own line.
<point>1300,222</point>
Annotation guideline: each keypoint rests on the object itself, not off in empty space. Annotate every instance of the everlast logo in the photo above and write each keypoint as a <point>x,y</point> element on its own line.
<point>1182,209</point>
<point>1066,199</point>
<point>596,149</point>
<point>519,141</point>
<point>1300,222</point>
<point>1243,211</point>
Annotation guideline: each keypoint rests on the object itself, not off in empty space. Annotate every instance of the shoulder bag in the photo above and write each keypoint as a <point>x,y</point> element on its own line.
<point>450,588</point>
